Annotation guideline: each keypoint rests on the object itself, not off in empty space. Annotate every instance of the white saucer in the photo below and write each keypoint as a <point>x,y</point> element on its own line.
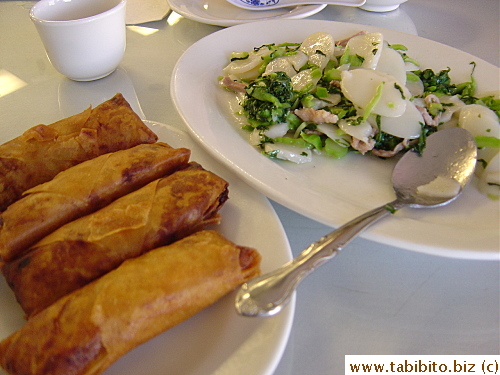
<point>222,13</point>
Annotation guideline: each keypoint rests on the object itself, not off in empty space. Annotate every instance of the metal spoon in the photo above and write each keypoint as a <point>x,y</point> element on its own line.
<point>273,4</point>
<point>430,179</point>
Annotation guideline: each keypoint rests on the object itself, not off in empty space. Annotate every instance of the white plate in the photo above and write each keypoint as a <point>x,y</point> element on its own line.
<point>217,340</point>
<point>222,13</point>
<point>333,191</point>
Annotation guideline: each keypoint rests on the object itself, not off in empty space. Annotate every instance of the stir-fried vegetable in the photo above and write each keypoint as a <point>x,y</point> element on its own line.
<point>269,99</point>
<point>360,95</point>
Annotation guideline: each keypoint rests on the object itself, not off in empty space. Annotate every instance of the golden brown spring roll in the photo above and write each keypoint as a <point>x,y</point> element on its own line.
<point>82,189</point>
<point>86,331</point>
<point>41,152</point>
<point>83,250</point>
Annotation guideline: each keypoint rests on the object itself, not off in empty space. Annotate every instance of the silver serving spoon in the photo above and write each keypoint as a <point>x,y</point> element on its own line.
<point>430,179</point>
<point>273,4</point>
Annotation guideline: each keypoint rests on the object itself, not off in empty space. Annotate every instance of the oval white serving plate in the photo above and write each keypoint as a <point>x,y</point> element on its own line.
<point>333,191</point>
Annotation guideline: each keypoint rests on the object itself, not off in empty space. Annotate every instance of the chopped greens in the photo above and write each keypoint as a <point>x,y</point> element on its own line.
<point>268,100</point>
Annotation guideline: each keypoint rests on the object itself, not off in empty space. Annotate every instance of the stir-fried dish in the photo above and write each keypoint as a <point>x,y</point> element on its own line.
<point>360,94</point>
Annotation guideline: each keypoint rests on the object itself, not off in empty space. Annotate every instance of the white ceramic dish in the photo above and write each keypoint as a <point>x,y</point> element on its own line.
<point>333,191</point>
<point>217,340</point>
<point>222,13</point>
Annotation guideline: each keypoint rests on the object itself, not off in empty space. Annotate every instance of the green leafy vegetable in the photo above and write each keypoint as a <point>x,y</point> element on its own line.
<point>485,141</point>
<point>335,149</point>
<point>269,99</point>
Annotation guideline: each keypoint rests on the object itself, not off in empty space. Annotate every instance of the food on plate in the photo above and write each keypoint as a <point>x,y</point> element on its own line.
<point>360,94</point>
<point>482,122</point>
<point>82,250</point>
<point>82,189</point>
<point>41,152</point>
<point>86,331</point>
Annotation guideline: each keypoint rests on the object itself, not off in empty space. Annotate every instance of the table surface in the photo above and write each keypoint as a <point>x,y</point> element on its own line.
<point>373,298</point>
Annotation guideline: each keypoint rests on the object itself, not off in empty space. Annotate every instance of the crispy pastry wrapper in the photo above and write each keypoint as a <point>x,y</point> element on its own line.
<point>83,189</point>
<point>41,152</point>
<point>75,254</point>
<point>87,330</point>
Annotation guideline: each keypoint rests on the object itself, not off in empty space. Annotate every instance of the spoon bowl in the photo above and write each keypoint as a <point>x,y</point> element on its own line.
<point>432,178</point>
<point>274,4</point>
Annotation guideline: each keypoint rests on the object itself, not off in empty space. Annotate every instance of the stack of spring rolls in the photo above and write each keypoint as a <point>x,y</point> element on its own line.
<point>102,240</point>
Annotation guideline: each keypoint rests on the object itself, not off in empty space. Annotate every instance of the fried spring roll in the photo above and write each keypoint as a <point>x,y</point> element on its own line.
<point>41,152</point>
<point>83,250</point>
<point>83,189</point>
<point>86,331</point>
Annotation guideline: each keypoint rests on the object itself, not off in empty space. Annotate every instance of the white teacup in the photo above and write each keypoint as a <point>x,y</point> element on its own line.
<point>84,39</point>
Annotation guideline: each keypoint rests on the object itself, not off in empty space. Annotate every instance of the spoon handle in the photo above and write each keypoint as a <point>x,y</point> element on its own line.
<point>268,294</point>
